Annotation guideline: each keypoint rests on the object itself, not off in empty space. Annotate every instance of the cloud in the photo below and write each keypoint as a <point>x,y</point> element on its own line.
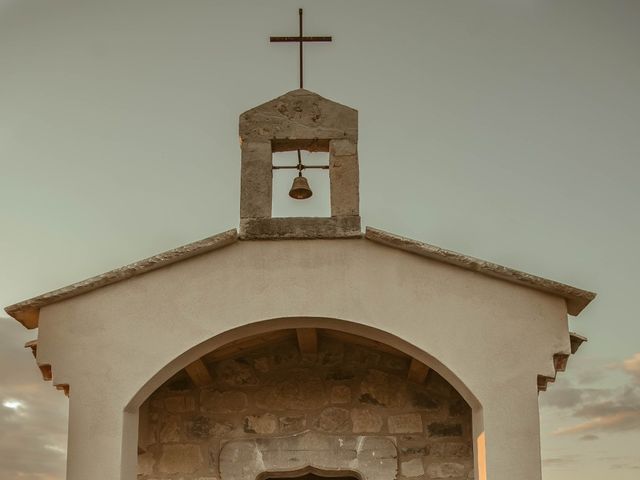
<point>602,410</point>
<point>632,367</point>
<point>33,415</point>
<point>589,437</point>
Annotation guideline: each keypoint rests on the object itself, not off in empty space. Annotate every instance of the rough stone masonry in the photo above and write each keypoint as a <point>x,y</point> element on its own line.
<point>272,409</point>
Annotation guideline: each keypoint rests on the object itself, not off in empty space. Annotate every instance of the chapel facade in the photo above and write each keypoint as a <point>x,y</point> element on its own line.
<point>304,347</point>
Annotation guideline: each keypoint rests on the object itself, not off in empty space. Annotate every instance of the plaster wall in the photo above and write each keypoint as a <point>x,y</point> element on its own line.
<point>488,338</point>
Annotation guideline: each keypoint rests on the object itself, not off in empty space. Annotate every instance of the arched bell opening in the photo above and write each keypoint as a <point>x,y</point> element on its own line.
<point>261,399</point>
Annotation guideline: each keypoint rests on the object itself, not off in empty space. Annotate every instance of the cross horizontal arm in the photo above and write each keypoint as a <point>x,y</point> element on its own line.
<point>301,167</point>
<point>304,39</point>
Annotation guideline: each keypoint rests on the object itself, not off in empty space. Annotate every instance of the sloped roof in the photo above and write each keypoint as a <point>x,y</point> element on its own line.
<point>27,312</point>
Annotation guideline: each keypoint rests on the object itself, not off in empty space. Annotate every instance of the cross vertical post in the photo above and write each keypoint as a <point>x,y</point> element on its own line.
<point>300,39</point>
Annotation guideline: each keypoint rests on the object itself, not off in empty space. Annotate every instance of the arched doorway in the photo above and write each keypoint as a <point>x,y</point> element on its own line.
<point>290,400</point>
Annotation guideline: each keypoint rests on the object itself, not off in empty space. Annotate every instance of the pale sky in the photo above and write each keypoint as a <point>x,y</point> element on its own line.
<point>504,129</point>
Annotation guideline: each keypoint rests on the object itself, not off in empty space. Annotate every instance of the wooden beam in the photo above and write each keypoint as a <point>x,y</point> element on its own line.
<point>199,373</point>
<point>64,387</point>
<point>45,369</point>
<point>307,340</point>
<point>417,371</point>
<point>33,345</point>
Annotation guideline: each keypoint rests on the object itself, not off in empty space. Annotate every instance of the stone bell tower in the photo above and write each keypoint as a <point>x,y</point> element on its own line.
<point>299,120</point>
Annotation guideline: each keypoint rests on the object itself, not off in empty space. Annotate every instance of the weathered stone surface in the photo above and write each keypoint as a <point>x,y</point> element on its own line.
<point>145,464</point>
<point>458,406</point>
<point>200,427</point>
<point>405,423</point>
<point>407,451</point>
<point>452,449</point>
<point>334,420</point>
<point>422,399</point>
<point>443,429</point>
<point>180,459</point>
<point>300,227</point>
<point>446,470</point>
<point>321,394</point>
<point>412,468</point>
<point>366,420</point>
<point>285,356</point>
<point>179,404</point>
<point>256,180</point>
<point>170,429</point>
<point>375,458</point>
<point>395,363</point>
<point>330,354</point>
<point>292,424</point>
<point>223,402</point>
<point>261,424</point>
<point>362,357</point>
<point>340,394</point>
<point>382,389</point>
<point>301,391</point>
<point>299,114</point>
<point>344,177</point>
<point>237,372</point>
<point>261,364</point>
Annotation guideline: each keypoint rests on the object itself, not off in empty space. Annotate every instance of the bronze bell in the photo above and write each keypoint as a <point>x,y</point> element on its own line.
<point>300,189</point>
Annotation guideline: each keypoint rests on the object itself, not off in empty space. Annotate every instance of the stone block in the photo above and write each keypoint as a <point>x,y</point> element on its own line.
<point>452,449</point>
<point>405,423</point>
<point>256,182</point>
<point>199,427</point>
<point>180,459</point>
<point>292,423</point>
<point>145,464</point>
<point>179,404</point>
<point>446,470</point>
<point>334,420</point>
<point>424,399</point>
<point>340,394</point>
<point>444,429</point>
<point>299,114</point>
<point>170,429</point>
<point>300,227</point>
<point>382,389</point>
<point>375,458</point>
<point>331,354</point>
<point>261,424</point>
<point>285,356</point>
<point>237,372</point>
<point>412,468</point>
<point>366,420</point>
<point>301,391</point>
<point>223,402</point>
<point>261,364</point>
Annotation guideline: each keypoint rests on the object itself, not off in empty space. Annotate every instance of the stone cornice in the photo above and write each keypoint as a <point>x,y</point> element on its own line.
<point>576,298</point>
<point>27,312</point>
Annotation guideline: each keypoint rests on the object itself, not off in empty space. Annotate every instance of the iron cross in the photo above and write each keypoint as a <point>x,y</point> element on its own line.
<point>300,39</point>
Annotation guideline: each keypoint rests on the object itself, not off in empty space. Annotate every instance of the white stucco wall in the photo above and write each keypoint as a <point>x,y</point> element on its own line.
<point>489,338</point>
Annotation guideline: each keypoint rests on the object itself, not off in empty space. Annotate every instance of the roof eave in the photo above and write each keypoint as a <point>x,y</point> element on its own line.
<point>27,312</point>
<point>576,299</point>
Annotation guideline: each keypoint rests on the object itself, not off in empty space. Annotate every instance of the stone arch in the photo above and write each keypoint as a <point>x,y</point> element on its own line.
<point>265,326</point>
<point>375,458</point>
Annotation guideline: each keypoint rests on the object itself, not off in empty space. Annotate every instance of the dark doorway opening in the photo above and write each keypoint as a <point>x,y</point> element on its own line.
<point>313,476</point>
